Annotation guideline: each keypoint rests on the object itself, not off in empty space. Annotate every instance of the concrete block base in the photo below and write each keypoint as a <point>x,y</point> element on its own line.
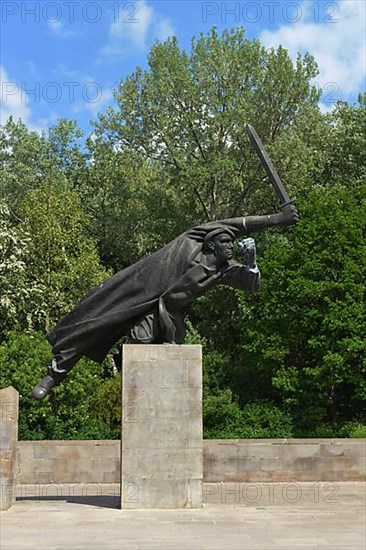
<point>161,444</point>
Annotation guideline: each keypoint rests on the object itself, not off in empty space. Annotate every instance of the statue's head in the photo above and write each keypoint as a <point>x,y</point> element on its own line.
<point>219,243</point>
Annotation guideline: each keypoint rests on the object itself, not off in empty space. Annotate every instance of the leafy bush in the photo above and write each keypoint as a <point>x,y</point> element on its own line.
<point>359,430</point>
<point>68,413</point>
<point>107,405</point>
<point>262,419</point>
<point>224,419</point>
<point>353,429</point>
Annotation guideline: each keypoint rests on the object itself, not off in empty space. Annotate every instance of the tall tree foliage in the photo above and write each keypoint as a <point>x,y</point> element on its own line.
<point>27,159</point>
<point>44,225</point>
<point>173,152</point>
<point>346,144</point>
<point>304,333</point>
<point>23,161</point>
<point>188,112</point>
<point>130,208</point>
<point>17,291</point>
<point>62,259</point>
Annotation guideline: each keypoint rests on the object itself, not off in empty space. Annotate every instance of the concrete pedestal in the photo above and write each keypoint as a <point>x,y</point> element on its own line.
<point>9,404</point>
<point>161,443</point>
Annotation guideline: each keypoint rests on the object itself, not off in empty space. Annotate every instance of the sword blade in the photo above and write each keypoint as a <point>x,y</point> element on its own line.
<point>268,166</point>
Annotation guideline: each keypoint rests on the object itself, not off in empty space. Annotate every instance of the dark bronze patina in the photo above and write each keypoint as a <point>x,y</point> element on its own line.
<point>274,178</point>
<point>148,301</point>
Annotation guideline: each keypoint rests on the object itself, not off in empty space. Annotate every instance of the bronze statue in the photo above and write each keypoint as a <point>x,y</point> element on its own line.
<point>149,300</point>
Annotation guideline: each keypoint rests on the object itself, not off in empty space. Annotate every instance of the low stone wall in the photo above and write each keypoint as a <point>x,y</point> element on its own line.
<point>279,460</point>
<point>255,460</point>
<point>69,461</point>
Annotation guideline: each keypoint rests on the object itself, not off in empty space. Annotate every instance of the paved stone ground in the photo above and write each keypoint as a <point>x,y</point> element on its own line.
<point>235,516</point>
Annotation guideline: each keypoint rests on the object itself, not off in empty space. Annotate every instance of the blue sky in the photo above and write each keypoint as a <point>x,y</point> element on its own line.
<point>63,58</point>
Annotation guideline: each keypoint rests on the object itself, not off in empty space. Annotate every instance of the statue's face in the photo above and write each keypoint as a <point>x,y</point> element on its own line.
<point>223,248</point>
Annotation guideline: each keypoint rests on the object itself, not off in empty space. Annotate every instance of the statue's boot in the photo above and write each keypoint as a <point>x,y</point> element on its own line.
<point>43,387</point>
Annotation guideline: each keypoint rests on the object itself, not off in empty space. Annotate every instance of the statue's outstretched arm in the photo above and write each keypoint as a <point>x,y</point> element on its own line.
<point>286,217</point>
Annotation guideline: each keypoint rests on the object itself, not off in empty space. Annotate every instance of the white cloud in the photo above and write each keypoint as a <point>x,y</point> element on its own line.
<point>73,75</point>
<point>13,100</point>
<point>164,29</point>
<point>337,42</point>
<point>326,107</point>
<point>96,105</point>
<point>58,28</point>
<point>83,91</point>
<point>135,29</point>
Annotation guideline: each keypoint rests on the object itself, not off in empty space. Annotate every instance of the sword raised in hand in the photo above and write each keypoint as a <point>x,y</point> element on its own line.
<point>268,166</point>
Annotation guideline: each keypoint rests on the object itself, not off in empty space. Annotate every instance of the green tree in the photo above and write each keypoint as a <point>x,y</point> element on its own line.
<point>27,159</point>
<point>22,160</point>
<point>187,113</point>
<point>64,144</point>
<point>345,148</point>
<point>130,209</point>
<point>304,333</point>
<point>69,413</point>
<point>62,259</point>
<point>171,154</point>
<point>16,290</point>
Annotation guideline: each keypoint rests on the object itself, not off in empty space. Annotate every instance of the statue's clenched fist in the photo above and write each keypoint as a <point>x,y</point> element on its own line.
<point>288,215</point>
<point>247,251</point>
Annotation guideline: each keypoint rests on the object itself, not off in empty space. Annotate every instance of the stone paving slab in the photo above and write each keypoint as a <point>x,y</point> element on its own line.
<point>235,516</point>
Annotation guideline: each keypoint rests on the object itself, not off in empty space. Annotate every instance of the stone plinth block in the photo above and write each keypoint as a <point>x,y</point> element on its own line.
<point>9,404</point>
<point>161,444</point>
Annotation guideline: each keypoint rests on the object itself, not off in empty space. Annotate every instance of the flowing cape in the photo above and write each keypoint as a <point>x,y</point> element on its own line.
<point>110,309</point>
